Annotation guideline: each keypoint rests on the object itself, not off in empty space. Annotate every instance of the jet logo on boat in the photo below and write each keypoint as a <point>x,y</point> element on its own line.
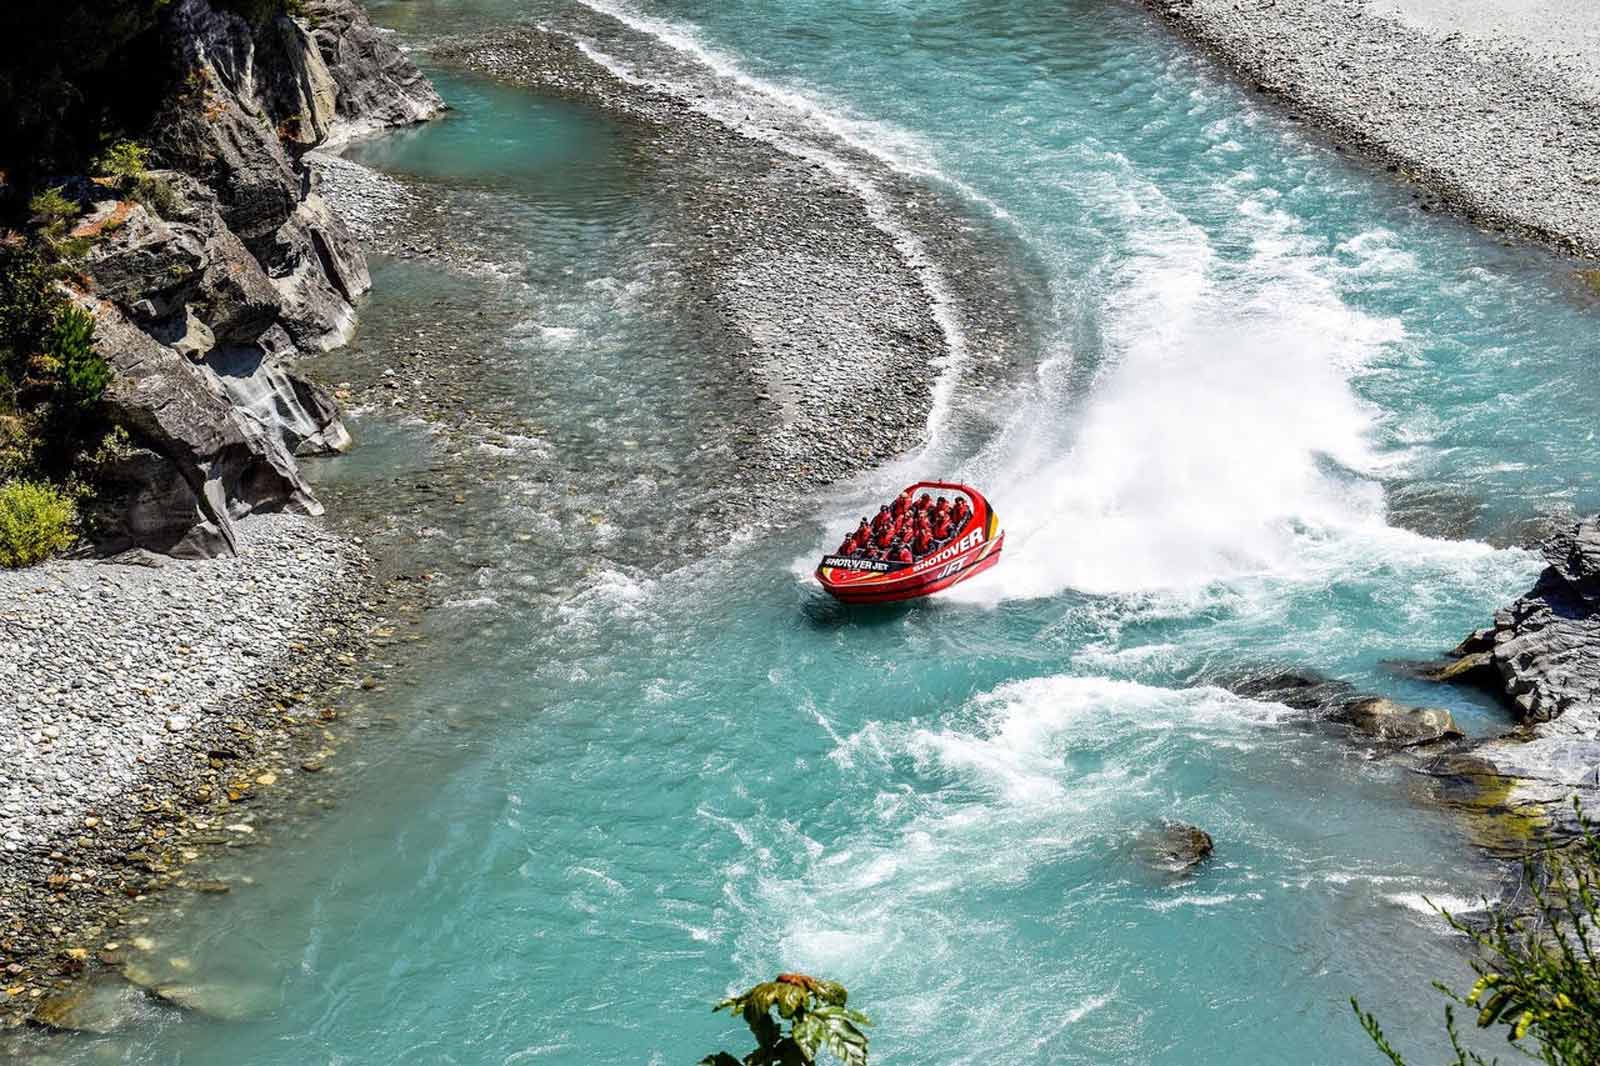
<point>966,543</point>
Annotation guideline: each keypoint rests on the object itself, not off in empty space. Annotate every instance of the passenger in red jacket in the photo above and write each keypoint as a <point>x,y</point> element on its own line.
<point>903,555</point>
<point>942,529</point>
<point>885,536</point>
<point>849,545</point>
<point>902,504</point>
<point>924,502</point>
<point>924,542</point>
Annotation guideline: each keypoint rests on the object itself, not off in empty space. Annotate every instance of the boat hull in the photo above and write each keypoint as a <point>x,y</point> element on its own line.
<point>973,549</point>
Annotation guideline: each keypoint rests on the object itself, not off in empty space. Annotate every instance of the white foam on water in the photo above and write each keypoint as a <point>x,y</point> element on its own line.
<point>1223,437</point>
<point>606,597</point>
<point>1430,905</point>
<point>1218,899</point>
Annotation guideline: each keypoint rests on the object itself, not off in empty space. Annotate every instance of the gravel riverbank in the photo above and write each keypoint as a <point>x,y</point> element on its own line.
<point>1490,109</point>
<point>802,257</point>
<point>149,700</point>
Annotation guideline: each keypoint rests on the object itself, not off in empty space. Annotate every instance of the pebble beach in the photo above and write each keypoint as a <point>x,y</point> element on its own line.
<point>1488,109</point>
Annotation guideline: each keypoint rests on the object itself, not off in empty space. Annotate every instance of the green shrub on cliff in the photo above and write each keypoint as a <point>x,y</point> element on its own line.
<point>82,373</point>
<point>124,160</point>
<point>36,522</point>
<point>51,376</point>
<point>817,1017</point>
<point>1538,973</point>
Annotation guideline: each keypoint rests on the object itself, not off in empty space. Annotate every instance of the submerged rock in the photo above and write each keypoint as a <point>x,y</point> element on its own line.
<point>222,1002</point>
<point>1389,722</point>
<point>104,1004</point>
<point>1173,847</point>
<point>1302,690</point>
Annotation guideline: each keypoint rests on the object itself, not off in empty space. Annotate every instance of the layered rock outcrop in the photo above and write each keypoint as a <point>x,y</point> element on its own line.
<point>229,265</point>
<point>1543,651</point>
<point>1542,656</point>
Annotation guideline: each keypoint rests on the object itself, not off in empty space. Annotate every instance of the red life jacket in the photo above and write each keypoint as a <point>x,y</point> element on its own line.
<point>942,530</point>
<point>886,537</point>
<point>904,556</point>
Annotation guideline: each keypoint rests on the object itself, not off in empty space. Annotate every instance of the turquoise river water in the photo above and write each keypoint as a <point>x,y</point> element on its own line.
<point>612,789</point>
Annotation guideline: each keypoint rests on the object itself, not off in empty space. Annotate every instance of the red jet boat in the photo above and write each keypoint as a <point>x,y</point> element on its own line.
<point>969,550</point>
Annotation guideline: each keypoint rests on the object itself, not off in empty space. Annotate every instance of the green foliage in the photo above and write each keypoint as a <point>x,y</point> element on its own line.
<point>36,522</point>
<point>125,160</point>
<point>1538,973</point>
<point>51,211</point>
<point>817,1016</point>
<point>17,446</point>
<point>51,376</point>
<point>29,303</point>
<point>83,374</point>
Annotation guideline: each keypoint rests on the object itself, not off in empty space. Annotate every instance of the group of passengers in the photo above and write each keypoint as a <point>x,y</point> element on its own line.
<point>908,529</point>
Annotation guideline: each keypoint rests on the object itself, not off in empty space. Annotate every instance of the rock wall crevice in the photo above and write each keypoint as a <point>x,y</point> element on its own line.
<point>204,300</point>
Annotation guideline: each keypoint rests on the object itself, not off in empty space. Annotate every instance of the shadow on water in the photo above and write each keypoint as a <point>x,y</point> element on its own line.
<point>822,611</point>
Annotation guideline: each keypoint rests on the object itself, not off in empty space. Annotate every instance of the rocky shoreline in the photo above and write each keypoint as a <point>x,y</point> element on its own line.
<point>154,700</point>
<point>1484,122</point>
<point>1541,657</point>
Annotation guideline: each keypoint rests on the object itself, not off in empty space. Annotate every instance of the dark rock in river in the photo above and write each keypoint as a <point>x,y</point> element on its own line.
<point>1173,847</point>
<point>1300,689</point>
<point>1370,718</point>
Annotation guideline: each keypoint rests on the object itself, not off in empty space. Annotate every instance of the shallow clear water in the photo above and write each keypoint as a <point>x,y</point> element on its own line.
<point>619,790</point>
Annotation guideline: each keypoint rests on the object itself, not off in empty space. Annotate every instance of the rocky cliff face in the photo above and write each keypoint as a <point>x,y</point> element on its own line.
<point>1543,652</point>
<point>1542,656</point>
<point>206,292</point>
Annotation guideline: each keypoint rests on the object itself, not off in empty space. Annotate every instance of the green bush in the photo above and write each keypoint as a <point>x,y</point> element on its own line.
<point>51,377</point>
<point>29,303</point>
<point>36,522</point>
<point>125,160</point>
<point>84,374</point>
<point>52,211</point>
<point>1538,973</point>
